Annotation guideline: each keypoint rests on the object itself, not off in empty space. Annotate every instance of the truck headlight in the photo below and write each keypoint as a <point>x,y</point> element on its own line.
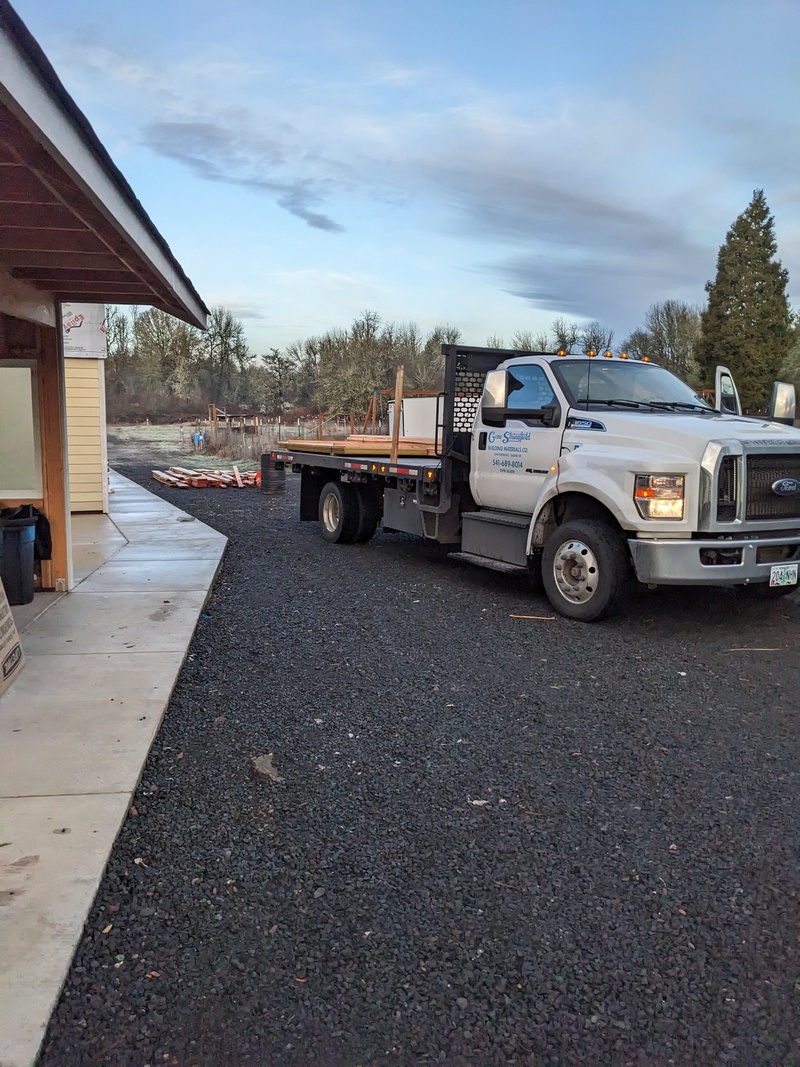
<point>659,496</point>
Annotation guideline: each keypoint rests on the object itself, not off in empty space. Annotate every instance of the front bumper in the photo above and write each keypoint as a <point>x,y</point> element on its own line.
<point>662,562</point>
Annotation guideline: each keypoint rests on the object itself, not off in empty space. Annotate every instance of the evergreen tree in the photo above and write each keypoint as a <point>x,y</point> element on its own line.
<point>747,325</point>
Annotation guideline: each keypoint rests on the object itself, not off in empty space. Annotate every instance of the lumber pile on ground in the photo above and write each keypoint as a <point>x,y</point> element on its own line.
<point>364,444</point>
<point>205,478</point>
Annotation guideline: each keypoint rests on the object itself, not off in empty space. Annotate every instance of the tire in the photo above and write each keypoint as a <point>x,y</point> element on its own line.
<point>338,513</point>
<point>586,570</point>
<point>368,514</point>
<point>534,577</point>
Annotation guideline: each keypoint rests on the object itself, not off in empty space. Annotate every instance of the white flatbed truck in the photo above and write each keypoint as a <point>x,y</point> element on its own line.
<point>585,471</point>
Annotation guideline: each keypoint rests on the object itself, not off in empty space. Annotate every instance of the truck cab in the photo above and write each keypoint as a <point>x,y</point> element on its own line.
<point>589,465</point>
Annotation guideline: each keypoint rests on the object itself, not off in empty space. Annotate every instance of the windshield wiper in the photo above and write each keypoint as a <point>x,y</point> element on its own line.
<point>611,403</point>
<point>673,405</point>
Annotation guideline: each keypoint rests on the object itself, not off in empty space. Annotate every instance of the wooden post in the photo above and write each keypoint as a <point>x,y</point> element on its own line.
<point>398,412</point>
<point>55,505</point>
<point>366,417</point>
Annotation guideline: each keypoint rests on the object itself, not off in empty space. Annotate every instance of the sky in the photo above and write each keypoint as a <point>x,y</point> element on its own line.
<point>486,164</point>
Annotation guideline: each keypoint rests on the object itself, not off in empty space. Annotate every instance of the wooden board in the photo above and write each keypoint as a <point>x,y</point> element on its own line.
<point>363,445</point>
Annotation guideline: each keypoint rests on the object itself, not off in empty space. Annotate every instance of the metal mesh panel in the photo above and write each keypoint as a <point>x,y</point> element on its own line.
<point>468,392</point>
<point>762,472</point>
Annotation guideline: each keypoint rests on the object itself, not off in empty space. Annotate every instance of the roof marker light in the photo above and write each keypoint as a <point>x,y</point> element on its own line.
<point>591,353</point>
<point>623,355</point>
<point>562,352</point>
<point>608,354</point>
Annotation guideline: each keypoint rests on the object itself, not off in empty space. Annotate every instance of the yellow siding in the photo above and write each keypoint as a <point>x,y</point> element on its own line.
<point>86,434</point>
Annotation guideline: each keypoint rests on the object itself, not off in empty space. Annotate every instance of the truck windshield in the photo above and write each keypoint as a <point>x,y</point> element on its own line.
<point>629,384</point>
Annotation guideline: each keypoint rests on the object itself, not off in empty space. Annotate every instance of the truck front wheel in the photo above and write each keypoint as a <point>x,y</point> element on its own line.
<point>338,512</point>
<point>585,570</point>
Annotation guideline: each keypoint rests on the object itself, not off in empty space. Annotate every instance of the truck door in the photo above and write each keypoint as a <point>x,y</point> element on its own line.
<point>509,463</point>
<point>726,395</point>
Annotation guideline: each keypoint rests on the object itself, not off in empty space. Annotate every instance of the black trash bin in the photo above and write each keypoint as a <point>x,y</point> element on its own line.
<point>17,537</point>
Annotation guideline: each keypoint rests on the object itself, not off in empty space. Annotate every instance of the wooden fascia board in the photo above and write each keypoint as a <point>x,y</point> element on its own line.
<point>50,123</point>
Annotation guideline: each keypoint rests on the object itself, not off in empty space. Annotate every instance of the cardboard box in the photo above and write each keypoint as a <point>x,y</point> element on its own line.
<point>12,658</point>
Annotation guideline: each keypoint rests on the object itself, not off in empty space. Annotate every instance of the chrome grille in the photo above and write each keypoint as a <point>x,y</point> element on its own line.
<point>726,489</point>
<point>762,472</point>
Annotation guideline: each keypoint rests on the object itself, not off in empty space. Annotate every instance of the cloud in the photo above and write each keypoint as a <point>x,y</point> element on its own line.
<point>592,200</point>
<point>244,311</point>
<point>221,154</point>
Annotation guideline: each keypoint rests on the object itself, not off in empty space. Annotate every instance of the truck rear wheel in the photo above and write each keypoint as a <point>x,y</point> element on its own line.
<point>585,570</point>
<point>368,514</point>
<point>338,512</point>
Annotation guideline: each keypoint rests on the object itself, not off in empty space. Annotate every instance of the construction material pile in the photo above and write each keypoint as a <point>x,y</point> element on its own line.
<point>204,478</point>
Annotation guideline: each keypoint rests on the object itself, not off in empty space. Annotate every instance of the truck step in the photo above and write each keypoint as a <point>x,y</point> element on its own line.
<point>489,564</point>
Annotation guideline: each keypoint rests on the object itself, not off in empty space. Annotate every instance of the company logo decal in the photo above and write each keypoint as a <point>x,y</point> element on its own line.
<point>509,437</point>
<point>73,323</point>
<point>11,662</point>
<point>786,487</point>
<point>574,423</point>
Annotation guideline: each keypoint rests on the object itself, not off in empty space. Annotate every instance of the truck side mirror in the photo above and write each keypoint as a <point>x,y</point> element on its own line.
<point>783,406</point>
<point>726,395</point>
<point>495,398</point>
<point>551,414</point>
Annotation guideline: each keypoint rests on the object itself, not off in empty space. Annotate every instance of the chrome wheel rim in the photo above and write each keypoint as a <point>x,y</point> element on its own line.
<point>576,571</point>
<point>330,513</point>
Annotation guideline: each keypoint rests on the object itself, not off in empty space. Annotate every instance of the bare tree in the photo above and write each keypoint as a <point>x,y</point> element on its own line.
<point>275,382</point>
<point>675,331</point>
<point>121,349</point>
<point>566,334</point>
<point>595,337</point>
<point>154,336</point>
<point>430,373</point>
<point>639,345</point>
<point>225,354</point>
<point>526,341</point>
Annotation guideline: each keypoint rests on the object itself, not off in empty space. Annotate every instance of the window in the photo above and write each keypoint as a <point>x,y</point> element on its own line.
<point>20,462</point>
<point>528,389</point>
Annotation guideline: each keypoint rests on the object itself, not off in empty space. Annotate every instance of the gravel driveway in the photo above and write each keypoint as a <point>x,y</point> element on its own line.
<point>496,840</point>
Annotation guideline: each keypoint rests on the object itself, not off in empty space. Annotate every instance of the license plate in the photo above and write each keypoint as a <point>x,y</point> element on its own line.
<point>783,574</point>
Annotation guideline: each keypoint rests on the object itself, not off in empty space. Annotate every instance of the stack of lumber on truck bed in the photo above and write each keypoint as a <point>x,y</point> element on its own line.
<point>205,478</point>
<point>363,444</point>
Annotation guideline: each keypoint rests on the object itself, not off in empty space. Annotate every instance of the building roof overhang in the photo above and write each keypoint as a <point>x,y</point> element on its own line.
<point>70,225</point>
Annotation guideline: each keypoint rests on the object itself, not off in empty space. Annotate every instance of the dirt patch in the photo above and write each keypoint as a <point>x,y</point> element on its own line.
<point>167,445</point>
<point>159,446</point>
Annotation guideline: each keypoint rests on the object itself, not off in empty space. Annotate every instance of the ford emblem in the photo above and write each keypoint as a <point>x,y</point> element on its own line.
<point>786,487</point>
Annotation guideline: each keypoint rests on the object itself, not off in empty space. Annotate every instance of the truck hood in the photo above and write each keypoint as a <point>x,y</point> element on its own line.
<point>680,434</point>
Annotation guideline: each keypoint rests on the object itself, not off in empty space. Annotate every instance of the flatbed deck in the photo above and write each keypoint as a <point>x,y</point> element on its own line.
<point>406,466</point>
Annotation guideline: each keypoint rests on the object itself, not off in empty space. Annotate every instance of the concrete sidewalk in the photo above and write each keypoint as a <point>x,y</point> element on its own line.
<point>75,730</point>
